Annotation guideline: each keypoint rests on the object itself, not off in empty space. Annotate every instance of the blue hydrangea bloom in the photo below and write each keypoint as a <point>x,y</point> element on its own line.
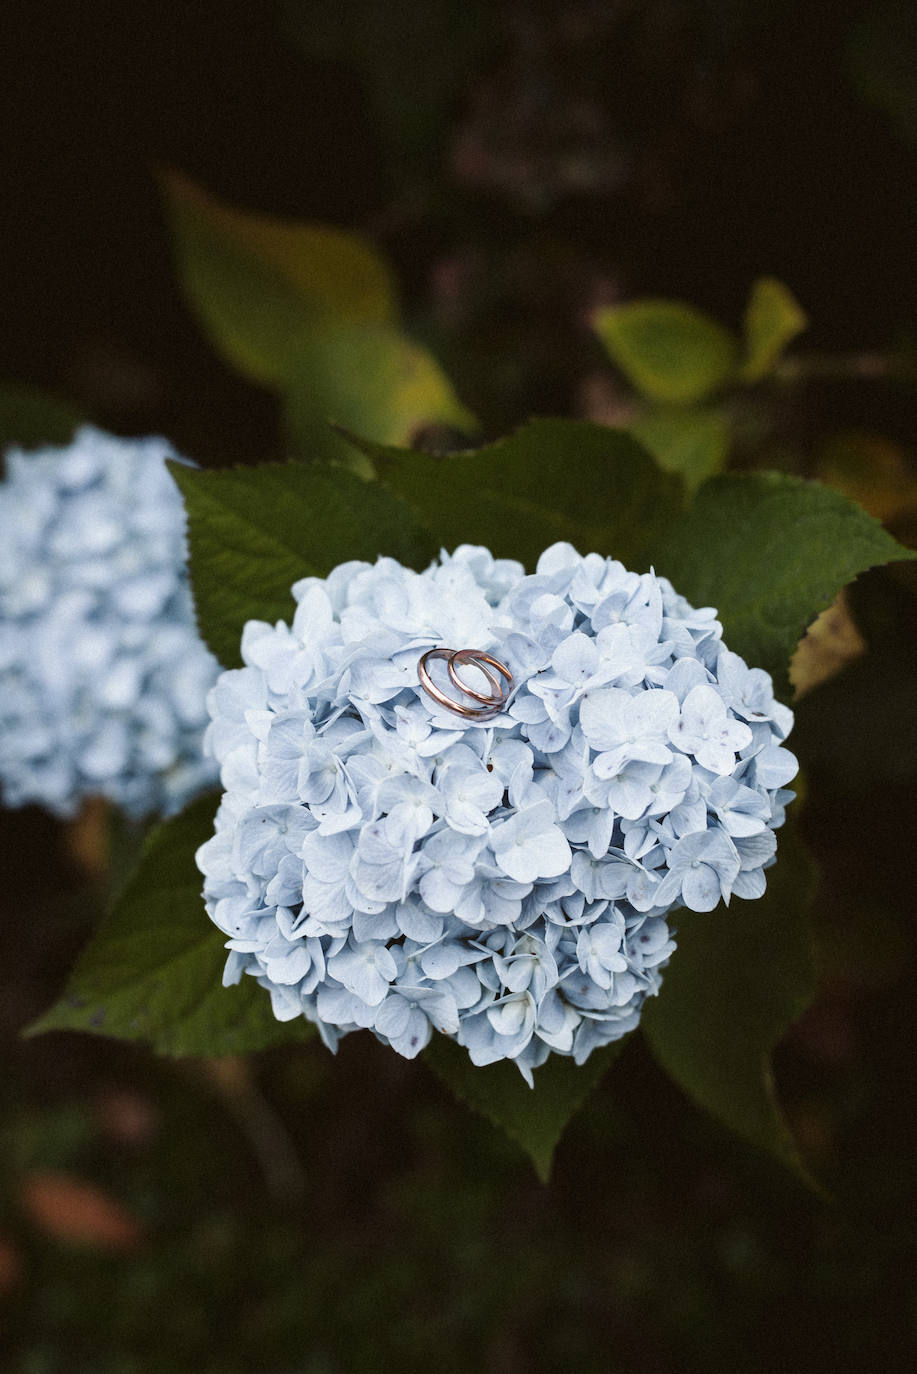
<point>103,676</point>
<point>382,862</point>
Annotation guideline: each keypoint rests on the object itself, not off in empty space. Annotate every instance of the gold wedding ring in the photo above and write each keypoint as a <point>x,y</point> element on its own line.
<point>489,703</point>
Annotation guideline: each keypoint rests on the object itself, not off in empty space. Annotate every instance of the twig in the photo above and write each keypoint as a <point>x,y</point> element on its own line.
<point>270,1141</point>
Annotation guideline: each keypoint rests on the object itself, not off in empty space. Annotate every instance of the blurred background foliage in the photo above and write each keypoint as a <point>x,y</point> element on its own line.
<point>510,183</point>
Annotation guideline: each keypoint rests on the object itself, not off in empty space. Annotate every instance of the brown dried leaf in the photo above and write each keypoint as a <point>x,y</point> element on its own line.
<point>10,1265</point>
<point>88,839</point>
<point>71,1210</point>
<point>831,642</point>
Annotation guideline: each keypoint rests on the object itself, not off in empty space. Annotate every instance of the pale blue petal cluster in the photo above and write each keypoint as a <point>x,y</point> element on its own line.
<point>381,862</point>
<point>103,676</point>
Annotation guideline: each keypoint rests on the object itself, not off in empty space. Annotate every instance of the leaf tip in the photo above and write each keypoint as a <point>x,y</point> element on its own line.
<point>49,1020</point>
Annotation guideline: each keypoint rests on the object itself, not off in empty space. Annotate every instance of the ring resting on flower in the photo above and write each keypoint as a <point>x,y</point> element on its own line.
<point>381,861</point>
<point>490,704</point>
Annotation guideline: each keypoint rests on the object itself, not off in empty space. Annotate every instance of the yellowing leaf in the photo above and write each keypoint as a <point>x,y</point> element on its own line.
<point>668,350</point>
<point>373,380</point>
<point>261,283</point>
<point>872,471</point>
<point>772,318</point>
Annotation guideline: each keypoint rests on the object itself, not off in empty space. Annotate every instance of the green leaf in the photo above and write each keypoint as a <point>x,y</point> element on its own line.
<point>152,970</point>
<point>371,379</point>
<point>262,285</point>
<point>771,551</point>
<point>668,350</point>
<point>768,550</point>
<point>691,442</point>
<point>30,418</point>
<point>772,318</point>
<point>534,1117</point>
<point>553,479</point>
<point>738,979</point>
<point>253,532</point>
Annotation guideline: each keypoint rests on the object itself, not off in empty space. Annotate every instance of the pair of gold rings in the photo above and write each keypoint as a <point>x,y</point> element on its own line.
<point>488,703</point>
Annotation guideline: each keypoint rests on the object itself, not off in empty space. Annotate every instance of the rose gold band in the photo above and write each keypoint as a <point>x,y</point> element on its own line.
<point>490,704</point>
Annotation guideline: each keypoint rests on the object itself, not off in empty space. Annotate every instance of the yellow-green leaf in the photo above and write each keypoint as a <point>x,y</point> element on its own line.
<point>691,442</point>
<point>772,318</point>
<point>370,379</point>
<point>872,470</point>
<point>261,284</point>
<point>668,350</point>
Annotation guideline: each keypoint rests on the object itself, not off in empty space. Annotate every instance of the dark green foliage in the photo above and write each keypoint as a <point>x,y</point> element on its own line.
<point>152,972</point>
<point>30,418</point>
<point>535,1118</point>
<point>253,532</point>
<point>768,550</point>
<point>553,479</point>
<point>739,977</point>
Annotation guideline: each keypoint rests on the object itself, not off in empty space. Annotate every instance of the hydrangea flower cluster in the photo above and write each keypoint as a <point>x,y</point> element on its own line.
<point>103,676</point>
<point>381,862</point>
